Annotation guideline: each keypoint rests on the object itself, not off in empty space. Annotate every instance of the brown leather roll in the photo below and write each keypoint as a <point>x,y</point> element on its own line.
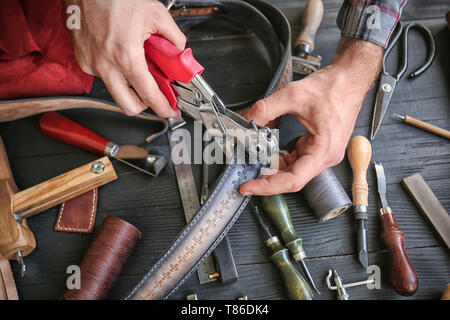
<point>104,259</point>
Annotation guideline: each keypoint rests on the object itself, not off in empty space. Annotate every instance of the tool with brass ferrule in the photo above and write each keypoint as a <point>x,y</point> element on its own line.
<point>402,275</point>
<point>359,153</point>
<point>303,62</point>
<point>277,210</point>
<point>297,288</point>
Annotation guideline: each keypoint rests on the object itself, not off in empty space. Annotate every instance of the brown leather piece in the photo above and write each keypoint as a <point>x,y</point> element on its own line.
<point>78,214</point>
<point>8,289</point>
<point>194,12</point>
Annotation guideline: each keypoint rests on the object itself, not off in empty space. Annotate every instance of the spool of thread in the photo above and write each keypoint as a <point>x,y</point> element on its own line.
<point>104,259</point>
<point>326,196</point>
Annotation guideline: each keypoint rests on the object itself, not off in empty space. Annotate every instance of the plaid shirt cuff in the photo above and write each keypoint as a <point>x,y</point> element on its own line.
<point>371,20</point>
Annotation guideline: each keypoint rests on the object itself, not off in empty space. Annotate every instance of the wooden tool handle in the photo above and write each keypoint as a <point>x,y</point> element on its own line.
<point>311,18</point>
<point>402,275</point>
<point>61,128</point>
<point>446,293</point>
<point>359,152</point>
<point>427,127</point>
<point>61,188</point>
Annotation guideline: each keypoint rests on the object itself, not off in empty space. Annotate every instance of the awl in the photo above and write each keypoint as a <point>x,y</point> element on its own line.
<point>359,153</point>
<point>402,275</point>
<point>64,129</point>
<point>275,207</point>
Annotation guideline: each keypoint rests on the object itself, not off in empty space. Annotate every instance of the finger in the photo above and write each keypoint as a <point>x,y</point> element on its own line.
<point>275,105</point>
<point>122,94</point>
<point>293,180</point>
<point>147,89</point>
<point>169,30</point>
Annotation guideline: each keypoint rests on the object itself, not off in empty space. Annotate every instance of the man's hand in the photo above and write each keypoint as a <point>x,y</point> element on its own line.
<point>327,103</point>
<point>110,45</point>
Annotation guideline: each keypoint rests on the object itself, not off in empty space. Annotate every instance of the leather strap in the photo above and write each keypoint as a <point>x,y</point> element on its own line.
<point>8,289</point>
<point>78,214</point>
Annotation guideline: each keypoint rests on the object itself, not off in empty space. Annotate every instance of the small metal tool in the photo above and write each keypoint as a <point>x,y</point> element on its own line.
<point>297,288</point>
<point>340,287</point>
<point>192,296</point>
<point>388,81</point>
<point>424,126</point>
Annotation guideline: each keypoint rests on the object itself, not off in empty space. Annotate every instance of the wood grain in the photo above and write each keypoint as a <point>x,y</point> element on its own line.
<point>359,153</point>
<point>61,188</point>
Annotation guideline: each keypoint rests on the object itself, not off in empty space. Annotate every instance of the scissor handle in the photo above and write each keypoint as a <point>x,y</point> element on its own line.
<point>167,63</point>
<point>403,31</point>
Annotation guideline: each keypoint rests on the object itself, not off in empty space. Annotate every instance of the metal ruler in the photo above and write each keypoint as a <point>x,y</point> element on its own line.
<point>190,199</point>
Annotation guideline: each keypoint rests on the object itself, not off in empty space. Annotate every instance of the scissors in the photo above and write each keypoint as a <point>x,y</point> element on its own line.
<point>388,81</point>
<point>178,76</point>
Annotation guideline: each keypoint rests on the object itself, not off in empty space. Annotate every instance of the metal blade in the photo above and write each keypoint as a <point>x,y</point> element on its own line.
<point>362,243</point>
<point>381,180</point>
<point>385,91</point>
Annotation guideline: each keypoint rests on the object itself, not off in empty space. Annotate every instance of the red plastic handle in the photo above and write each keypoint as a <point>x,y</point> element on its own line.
<point>61,128</point>
<point>167,63</point>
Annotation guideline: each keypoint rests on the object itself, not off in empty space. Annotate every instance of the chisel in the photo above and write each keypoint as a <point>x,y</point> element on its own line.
<point>359,153</point>
<point>275,207</point>
<point>402,275</point>
<point>296,287</point>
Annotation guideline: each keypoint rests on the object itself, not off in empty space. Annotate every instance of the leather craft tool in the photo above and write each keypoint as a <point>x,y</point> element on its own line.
<point>296,287</point>
<point>62,128</point>
<point>17,240</point>
<point>104,259</point>
<point>303,62</point>
<point>275,207</point>
<point>388,82</point>
<point>402,275</point>
<point>340,287</point>
<point>424,126</point>
<point>359,153</point>
<point>429,205</point>
<point>8,290</point>
<point>178,76</point>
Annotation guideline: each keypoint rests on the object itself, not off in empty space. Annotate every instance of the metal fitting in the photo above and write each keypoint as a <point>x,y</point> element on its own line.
<point>97,167</point>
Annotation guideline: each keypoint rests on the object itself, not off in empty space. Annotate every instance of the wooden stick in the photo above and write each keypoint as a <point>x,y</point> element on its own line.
<point>61,188</point>
<point>424,126</point>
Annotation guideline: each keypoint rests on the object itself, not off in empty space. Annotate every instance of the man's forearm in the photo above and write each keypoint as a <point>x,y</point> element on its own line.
<point>360,60</point>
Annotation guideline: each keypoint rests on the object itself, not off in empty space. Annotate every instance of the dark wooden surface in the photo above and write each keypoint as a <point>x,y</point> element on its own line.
<point>235,70</point>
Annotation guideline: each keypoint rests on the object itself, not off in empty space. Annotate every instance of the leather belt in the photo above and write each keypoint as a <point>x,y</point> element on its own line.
<point>199,238</point>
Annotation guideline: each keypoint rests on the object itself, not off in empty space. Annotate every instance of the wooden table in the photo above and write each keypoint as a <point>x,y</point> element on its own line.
<point>235,70</point>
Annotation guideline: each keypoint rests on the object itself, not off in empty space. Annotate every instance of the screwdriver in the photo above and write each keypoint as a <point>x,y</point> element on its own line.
<point>277,210</point>
<point>359,153</point>
<point>297,288</point>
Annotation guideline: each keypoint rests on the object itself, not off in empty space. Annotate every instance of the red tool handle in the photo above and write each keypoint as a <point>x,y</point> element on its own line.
<point>167,63</point>
<point>61,128</point>
<point>402,275</point>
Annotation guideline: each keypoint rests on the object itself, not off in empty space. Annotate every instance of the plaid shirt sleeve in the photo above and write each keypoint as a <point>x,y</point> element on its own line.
<point>371,20</point>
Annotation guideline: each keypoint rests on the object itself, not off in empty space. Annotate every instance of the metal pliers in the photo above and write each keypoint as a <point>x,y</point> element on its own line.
<point>388,81</point>
<point>178,76</point>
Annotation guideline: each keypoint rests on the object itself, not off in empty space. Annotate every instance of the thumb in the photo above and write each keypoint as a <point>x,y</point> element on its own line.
<point>274,106</point>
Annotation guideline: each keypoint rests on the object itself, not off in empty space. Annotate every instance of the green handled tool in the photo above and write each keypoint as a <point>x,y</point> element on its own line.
<point>277,210</point>
<point>297,288</point>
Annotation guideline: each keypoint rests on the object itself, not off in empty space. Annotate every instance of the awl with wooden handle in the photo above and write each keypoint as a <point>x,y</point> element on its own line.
<point>64,129</point>
<point>359,152</point>
<point>402,275</point>
<point>303,62</point>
